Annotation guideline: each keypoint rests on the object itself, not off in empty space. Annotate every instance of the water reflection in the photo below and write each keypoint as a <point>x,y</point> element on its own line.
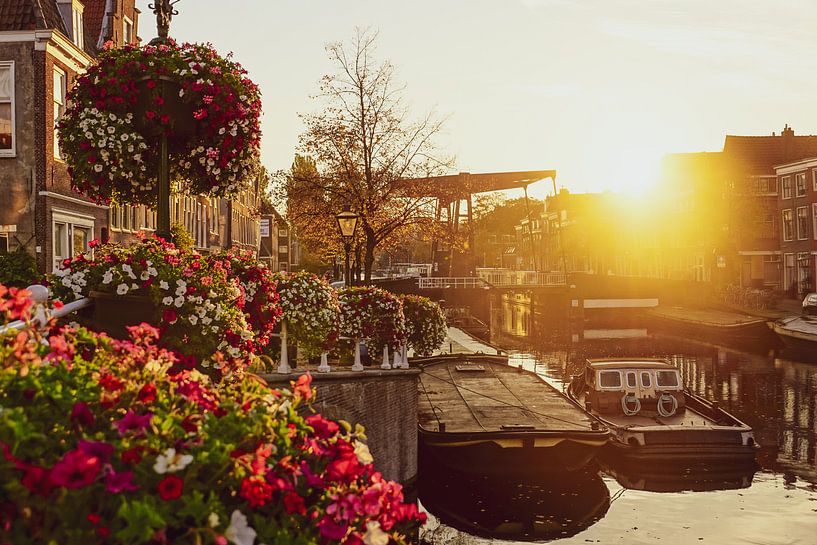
<point>521,509</point>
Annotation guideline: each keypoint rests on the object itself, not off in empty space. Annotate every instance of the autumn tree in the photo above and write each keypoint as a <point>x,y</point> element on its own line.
<point>364,145</point>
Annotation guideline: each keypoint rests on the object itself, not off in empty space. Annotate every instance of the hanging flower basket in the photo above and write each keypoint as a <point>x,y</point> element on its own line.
<point>204,103</point>
<point>425,324</point>
<point>310,310</point>
<point>372,314</point>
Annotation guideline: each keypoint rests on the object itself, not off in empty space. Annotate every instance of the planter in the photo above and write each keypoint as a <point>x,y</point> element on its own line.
<point>112,313</point>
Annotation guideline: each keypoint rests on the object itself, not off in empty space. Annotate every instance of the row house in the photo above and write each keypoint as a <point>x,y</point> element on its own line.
<point>797,213</point>
<point>44,46</point>
<point>279,248</point>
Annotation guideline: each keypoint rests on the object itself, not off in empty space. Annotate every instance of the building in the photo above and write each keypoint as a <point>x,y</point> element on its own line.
<point>724,208</point>
<point>44,46</point>
<point>279,249</point>
<point>797,214</point>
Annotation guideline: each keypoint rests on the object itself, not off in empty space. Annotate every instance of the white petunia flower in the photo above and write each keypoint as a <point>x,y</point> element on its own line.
<point>164,285</point>
<point>179,301</point>
<point>171,461</point>
<point>121,289</point>
<point>212,520</point>
<point>107,278</point>
<point>374,534</point>
<point>239,532</point>
<point>167,301</point>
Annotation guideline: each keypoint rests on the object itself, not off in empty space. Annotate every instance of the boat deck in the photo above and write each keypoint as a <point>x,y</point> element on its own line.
<point>686,418</point>
<point>469,395</point>
<point>704,316</point>
<point>801,324</point>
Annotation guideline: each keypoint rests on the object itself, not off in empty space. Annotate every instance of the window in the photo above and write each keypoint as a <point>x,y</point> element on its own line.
<point>71,234</point>
<point>7,148</point>
<point>282,232</point>
<point>631,380</point>
<point>646,379</point>
<point>785,184</point>
<point>814,178</point>
<point>666,378</point>
<point>766,227</point>
<point>800,184</point>
<point>4,243</point>
<point>78,35</point>
<point>127,31</point>
<point>788,225</point>
<point>610,379</point>
<point>765,185</point>
<point>804,279</point>
<point>126,225</point>
<point>814,219</point>
<point>59,105</point>
<point>114,218</point>
<point>802,222</point>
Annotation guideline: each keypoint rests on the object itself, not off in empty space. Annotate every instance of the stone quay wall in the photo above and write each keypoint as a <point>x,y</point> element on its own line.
<point>382,401</point>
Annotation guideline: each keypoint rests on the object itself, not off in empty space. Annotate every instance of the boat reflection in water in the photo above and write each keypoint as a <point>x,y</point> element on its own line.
<point>700,478</point>
<point>537,508</point>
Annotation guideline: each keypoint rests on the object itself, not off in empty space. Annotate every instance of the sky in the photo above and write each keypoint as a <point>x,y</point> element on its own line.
<point>597,90</point>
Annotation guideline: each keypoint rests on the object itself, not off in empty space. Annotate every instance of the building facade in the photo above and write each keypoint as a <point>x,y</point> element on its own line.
<point>797,214</point>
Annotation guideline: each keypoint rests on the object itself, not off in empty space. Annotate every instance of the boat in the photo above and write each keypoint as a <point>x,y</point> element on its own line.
<point>723,326</point>
<point>798,333</point>
<point>653,419</point>
<point>478,414</point>
<point>518,509</point>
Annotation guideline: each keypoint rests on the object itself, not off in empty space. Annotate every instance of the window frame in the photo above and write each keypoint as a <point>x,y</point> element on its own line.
<point>78,37</point>
<point>645,373</point>
<point>800,177</point>
<point>676,376</point>
<point>790,224</point>
<point>617,372</point>
<point>12,151</point>
<point>814,179</point>
<point>802,236</point>
<point>70,220</point>
<point>127,22</point>
<point>57,71</point>
<point>786,187</point>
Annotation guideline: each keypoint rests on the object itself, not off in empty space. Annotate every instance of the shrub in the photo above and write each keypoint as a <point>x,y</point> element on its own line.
<point>425,324</point>
<point>372,314</point>
<point>18,268</point>
<point>310,309</point>
<point>101,441</point>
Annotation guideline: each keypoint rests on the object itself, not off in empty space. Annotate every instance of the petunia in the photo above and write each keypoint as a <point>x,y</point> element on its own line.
<point>132,422</point>
<point>171,488</point>
<point>76,469</point>
<point>239,532</point>
<point>116,483</point>
<point>171,461</point>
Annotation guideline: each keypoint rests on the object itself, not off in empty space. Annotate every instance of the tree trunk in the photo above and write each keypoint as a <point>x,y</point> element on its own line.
<point>368,259</point>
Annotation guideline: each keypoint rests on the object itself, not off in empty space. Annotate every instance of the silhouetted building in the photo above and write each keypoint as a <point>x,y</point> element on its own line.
<point>797,211</point>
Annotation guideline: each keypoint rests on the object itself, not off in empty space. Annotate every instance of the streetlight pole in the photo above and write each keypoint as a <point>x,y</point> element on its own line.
<point>347,224</point>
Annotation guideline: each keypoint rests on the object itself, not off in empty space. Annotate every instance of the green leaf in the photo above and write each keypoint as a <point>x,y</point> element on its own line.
<point>142,520</point>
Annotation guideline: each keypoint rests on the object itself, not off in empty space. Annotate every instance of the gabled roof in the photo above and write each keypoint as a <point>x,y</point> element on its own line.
<point>92,18</point>
<point>761,153</point>
<point>30,15</point>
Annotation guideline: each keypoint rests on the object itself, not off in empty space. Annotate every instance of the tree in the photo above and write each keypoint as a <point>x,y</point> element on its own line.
<point>361,148</point>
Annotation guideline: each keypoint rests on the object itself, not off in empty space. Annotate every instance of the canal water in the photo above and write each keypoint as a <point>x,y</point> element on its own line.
<point>772,504</point>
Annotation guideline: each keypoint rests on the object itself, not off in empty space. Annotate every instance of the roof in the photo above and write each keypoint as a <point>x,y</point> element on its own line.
<point>92,19</point>
<point>761,153</point>
<point>30,15</point>
<point>629,363</point>
<point>464,184</point>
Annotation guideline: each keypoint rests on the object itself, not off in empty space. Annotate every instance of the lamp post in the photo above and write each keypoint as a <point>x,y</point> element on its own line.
<point>347,223</point>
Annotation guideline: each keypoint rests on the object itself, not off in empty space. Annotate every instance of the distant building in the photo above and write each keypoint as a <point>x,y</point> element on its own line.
<point>279,247</point>
<point>797,211</point>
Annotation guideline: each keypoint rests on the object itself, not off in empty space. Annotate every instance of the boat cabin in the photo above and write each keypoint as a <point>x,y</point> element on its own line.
<point>649,387</point>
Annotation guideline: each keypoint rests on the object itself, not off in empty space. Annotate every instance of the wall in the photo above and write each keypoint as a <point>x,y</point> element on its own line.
<point>384,402</point>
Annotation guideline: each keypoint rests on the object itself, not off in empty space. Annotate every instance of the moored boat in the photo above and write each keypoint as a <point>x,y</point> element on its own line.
<point>654,420</point>
<point>798,333</point>
<point>480,415</point>
<point>723,326</point>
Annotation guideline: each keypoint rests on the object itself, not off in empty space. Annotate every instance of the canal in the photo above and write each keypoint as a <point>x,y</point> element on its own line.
<point>775,503</point>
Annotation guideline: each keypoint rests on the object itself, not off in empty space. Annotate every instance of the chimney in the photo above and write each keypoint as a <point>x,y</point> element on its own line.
<point>787,131</point>
<point>787,135</point>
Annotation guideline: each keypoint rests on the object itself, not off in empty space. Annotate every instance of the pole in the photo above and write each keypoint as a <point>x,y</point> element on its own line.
<point>163,201</point>
<point>346,280</point>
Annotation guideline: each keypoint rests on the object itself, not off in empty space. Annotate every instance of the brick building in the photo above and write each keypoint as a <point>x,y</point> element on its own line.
<point>44,46</point>
<point>797,213</point>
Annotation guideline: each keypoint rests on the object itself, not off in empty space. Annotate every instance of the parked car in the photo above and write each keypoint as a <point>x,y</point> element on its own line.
<point>810,304</point>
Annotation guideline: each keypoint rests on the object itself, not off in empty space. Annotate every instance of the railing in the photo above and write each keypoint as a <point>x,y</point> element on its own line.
<point>500,278</point>
<point>459,282</point>
<point>42,313</point>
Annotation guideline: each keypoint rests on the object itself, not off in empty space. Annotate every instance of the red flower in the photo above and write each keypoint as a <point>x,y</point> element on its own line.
<point>76,469</point>
<point>120,482</point>
<point>256,491</point>
<point>147,394</point>
<point>169,315</point>
<point>303,386</point>
<point>94,518</point>
<point>132,455</point>
<point>331,530</point>
<point>293,503</point>
<point>110,382</point>
<point>171,488</point>
<point>36,479</point>
<point>103,531</point>
<point>133,422</point>
<point>82,414</point>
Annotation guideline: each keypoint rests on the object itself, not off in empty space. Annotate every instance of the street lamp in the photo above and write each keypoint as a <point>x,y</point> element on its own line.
<point>347,223</point>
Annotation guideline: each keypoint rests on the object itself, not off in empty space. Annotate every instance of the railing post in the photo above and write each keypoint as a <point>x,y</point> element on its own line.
<point>324,366</point>
<point>404,356</point>
<point>385,364</point>
<point>283,365</point>
<point>357,366</point>
<point>396,363</point>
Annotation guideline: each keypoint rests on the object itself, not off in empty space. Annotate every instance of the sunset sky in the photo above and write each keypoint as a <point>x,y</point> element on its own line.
<point>598,90</point>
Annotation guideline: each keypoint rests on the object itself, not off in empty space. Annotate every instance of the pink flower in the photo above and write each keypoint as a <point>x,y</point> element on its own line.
<point>101,450</point>
<point>82,414</point>
<point>133,422</point>
<point>76,469</point>
<point>116,483</point>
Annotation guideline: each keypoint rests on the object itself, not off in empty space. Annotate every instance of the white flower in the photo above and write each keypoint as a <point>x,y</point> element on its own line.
<point>167,301</point>
<point>179,301</point>
<point>144,276</point>
<point>239,532</point>
<point>212,520</point>
<point>193,319</point>
<point>171,462</point>
<point>181,290</point>
<point>362,453</point>
<point>374,534</point>
<point>107,277</point>
<point>97,168</point>
<point>164,285</point>
<point>121,289</point>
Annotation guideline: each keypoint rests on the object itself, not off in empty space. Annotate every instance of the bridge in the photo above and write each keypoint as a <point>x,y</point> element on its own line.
<point>497,278</point>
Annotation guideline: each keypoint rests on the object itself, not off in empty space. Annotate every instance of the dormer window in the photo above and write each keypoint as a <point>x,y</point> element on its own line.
<point>78,34</point>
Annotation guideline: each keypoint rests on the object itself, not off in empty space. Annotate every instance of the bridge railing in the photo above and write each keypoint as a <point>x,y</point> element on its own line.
<point>458,282</point>
<point>506,278</point>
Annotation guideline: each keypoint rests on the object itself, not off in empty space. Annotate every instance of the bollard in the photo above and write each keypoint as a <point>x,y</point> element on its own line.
<point>324,366</point>
<point>385,364</point>
<point>357,365</point>
<point>283,365</point>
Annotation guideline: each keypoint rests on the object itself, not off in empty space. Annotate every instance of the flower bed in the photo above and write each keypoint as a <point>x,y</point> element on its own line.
<point>101,441</point>
<point>109,133</point>
<point>199,302</point>
<point>310,309</point>
<point>425,324</point>
<point>372,314</point>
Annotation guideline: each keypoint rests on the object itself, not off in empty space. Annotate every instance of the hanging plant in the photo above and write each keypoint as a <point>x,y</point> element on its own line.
<point>425,324</point>
<point>310,310</point>
<point>204,103</point>
<point>372,314</point>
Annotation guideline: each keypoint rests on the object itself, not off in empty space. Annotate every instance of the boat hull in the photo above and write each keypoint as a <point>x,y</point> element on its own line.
<point>798,342</point>
<point>755,332</point>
